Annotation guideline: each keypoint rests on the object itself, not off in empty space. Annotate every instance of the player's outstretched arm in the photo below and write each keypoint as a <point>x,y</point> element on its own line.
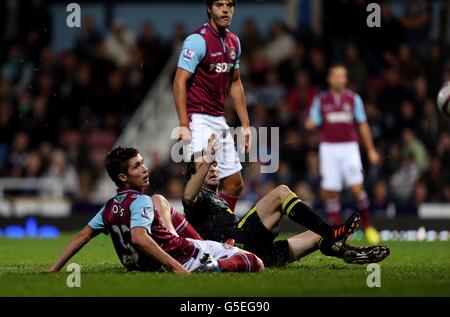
<point>83,237</point>
<point>146,244</point>
<point>196,182</point>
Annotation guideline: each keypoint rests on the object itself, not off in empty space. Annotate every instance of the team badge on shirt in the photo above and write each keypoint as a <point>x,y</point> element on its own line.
<point>145,212</point>
<point>188,54</point>
<point>232,53</point>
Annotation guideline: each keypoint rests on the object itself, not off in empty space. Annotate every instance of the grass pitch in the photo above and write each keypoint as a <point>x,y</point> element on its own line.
<point>412,269</point>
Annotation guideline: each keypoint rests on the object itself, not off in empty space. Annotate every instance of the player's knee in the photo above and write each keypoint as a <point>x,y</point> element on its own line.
<point>260,265</point>
<point>157,198</point>
<point>283,190</point>
<point>160,202</point>
<point>256,263</point>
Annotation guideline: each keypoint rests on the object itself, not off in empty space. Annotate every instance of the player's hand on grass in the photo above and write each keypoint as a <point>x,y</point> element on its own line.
<point>181,270</point>
<point>247,140</point>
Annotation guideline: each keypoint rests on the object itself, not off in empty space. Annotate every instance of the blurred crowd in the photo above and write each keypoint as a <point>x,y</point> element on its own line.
<point>398,70</point>
<point>60,113</point>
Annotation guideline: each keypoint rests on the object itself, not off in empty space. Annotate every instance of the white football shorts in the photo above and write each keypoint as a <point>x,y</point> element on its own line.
<point>216,249</point>
<point>202,126</point>
<point>340,165</point>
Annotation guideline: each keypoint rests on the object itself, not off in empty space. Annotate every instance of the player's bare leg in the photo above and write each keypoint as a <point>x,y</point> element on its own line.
<point>363,205</point>
<point>269,211</point>
<point>174,221</point>
<point>303,244</point>
<point>232,187</point>
<point>269,207</point>
<point>307,242</point>
<point>282,201</point>
<point>162,205</point>
<point>332,203</point>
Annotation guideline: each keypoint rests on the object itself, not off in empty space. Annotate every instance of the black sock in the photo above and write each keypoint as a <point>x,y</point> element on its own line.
<point>301,213</point>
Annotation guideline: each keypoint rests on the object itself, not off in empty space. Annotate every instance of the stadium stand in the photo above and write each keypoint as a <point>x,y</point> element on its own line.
<point>60,113</point>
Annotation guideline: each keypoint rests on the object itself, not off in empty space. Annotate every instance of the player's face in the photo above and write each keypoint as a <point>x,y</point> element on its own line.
<point>221,13</point>
<point>212,177</point>
<point>337,78</point>
<point>137,175</point>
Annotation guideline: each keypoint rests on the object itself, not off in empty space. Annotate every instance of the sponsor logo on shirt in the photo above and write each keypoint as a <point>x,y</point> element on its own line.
<point>339,117</point>
<point>188,54</point>
<point>221,67</point>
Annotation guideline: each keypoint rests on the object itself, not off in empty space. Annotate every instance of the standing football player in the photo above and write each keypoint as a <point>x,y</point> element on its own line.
<point>339,112</point>
<point>208,69</point>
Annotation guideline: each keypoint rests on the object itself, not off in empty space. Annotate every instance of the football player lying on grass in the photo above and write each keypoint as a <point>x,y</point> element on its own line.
<point>256,231</point>
<point>140,239</point>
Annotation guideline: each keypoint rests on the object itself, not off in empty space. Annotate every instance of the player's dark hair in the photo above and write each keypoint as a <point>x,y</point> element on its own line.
<point>116,162</point>
<point>191,166</point>
<point>336,65</point>
<point>209,4</point>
